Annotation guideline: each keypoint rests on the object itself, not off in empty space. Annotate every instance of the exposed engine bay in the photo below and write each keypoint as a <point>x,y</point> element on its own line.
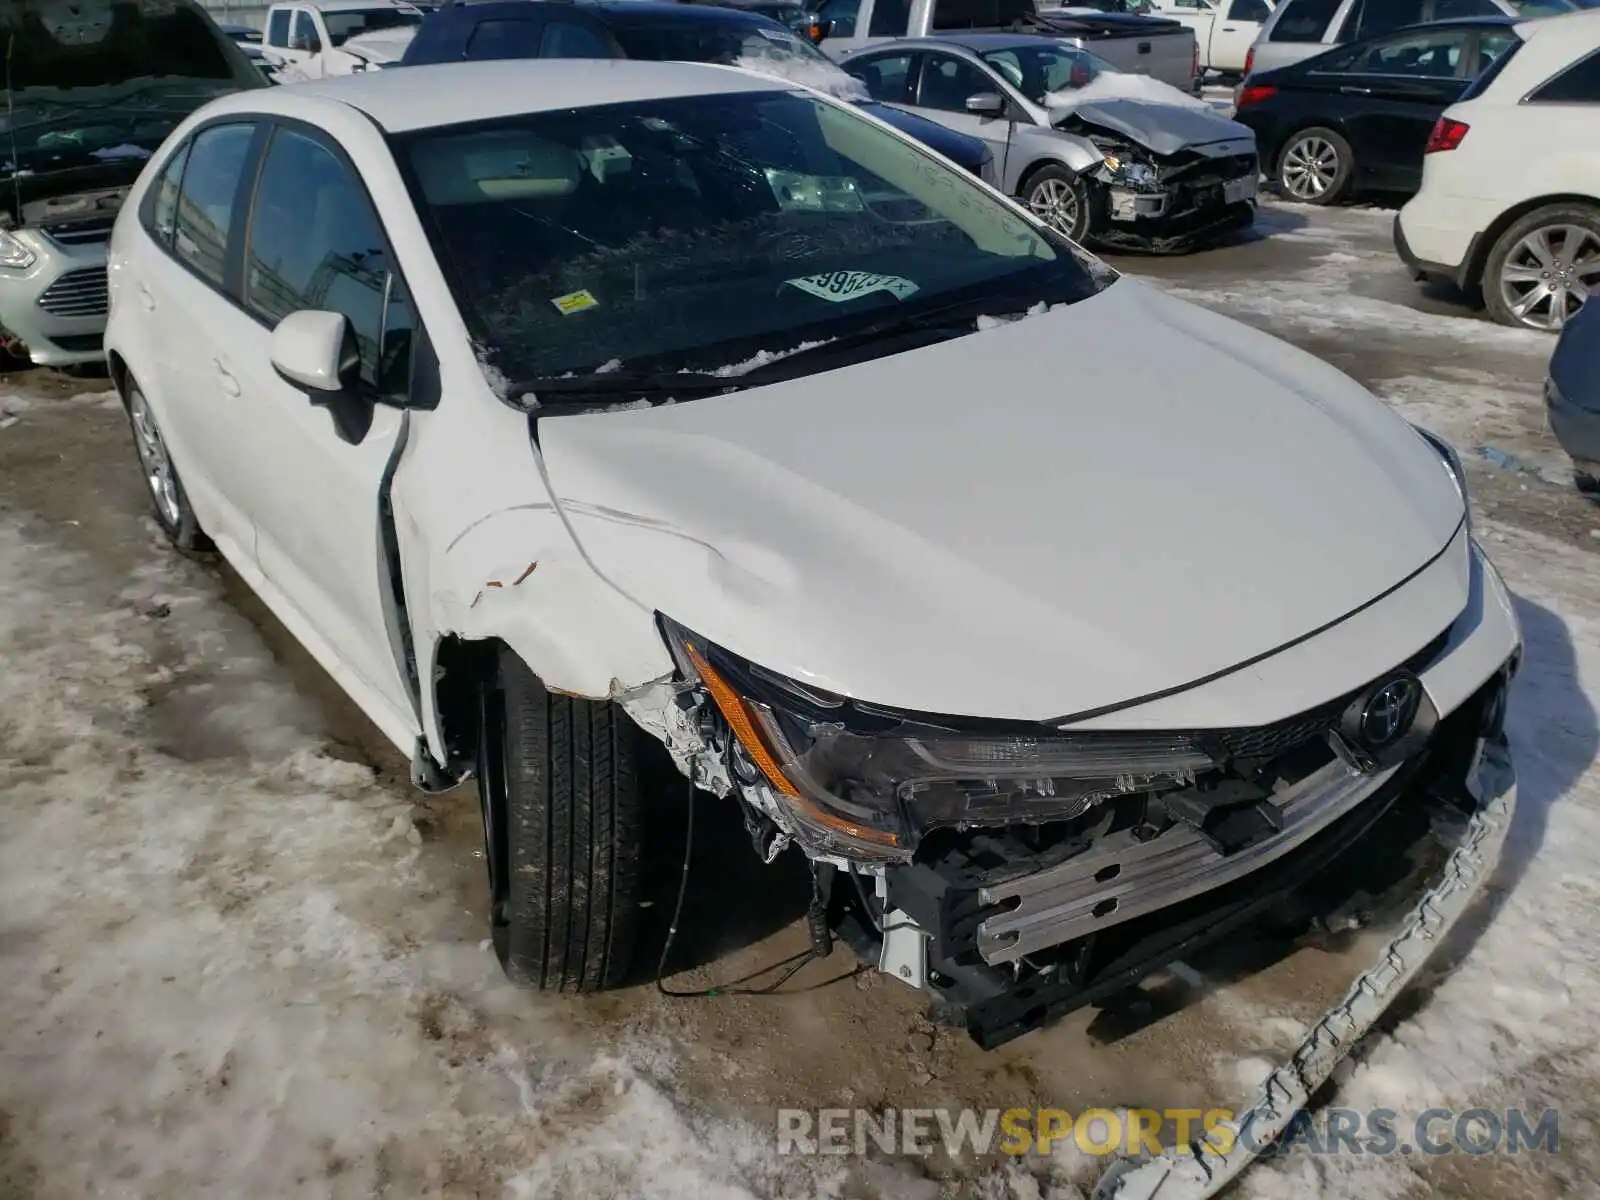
<point>1016,872</point>
<point>1166,203</point>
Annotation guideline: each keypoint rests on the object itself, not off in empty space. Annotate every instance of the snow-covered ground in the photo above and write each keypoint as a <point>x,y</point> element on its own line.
<point>239,958</point>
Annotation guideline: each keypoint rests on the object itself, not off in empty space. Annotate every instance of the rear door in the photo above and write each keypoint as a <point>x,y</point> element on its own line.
<point>1396,88</point>
<point>185,284</point>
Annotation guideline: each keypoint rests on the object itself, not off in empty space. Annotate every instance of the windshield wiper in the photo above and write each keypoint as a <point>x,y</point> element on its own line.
<point>935,324</point>
<point>581,389</point>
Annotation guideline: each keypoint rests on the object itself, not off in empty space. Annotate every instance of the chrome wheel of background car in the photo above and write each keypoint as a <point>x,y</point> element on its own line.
<point>154,459</point>
<point>1548,274</point>
<point>1055,201</point>
<point>1310,168</point>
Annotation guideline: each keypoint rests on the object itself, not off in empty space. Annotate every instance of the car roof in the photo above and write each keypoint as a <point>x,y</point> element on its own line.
<point>619,11</point>
<point>410,98</point>
<point>328,6</point>
<point>977,42</point>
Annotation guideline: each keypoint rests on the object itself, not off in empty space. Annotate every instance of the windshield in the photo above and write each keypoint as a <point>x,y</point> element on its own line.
<point>348,23</point>
<point>697,233</point>
<point>1038,70</point>
<point>97,43</point>
<point>761,46</point>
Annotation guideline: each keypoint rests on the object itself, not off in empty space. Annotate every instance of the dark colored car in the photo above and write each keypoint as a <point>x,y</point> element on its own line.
<point>793,14</point>
<point>665,32</point>
<point>1572,394</point>
<point>1358,118</point>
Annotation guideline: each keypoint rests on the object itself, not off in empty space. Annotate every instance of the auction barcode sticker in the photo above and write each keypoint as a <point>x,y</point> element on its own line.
<point>847,285</point>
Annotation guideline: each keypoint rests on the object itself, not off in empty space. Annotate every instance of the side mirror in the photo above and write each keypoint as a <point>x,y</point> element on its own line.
<point>986,104</point>
<point>316,351</point>
<point>819,28</point>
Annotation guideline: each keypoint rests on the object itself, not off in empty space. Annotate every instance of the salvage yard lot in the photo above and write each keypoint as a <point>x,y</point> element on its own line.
<point>239,956</point>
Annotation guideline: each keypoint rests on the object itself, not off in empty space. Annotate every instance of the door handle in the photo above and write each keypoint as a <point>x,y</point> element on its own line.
<point>230,385</point>
<point>1230,29</point>
<point>146,300</point>
<point>1356,91</point>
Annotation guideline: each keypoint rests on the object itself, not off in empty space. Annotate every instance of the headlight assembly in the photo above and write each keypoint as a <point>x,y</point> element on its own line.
<point>1131,172</point>
<point>867,783</point>
<point>13,253</point>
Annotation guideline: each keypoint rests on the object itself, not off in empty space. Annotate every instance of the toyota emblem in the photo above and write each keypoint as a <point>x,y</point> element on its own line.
<point>1389,711</point>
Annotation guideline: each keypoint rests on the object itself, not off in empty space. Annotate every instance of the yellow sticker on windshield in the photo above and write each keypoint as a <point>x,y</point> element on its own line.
<point>574,302</point>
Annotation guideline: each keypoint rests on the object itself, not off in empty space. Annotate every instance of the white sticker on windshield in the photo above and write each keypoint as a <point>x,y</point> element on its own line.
<point>839,286</point>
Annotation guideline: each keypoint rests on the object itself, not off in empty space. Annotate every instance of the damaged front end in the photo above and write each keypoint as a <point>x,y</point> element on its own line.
<point>1168,203</point>
<point>1016,871</point>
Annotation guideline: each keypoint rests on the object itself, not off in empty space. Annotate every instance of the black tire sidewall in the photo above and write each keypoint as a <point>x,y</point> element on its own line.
<point>1551,214</point>
<point>566,800</point>
<point>1340,188</point>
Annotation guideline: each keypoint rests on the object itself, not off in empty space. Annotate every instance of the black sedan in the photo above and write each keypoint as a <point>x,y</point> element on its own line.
<point>1573,395</point>
<point>1358,118</point>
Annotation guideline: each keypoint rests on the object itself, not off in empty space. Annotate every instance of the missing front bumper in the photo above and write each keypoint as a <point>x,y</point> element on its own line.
<point>1199,1170</point>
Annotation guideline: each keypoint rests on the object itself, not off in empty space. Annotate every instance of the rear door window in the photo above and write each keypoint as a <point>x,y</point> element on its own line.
<point>1578,84</point>
<point>568,39</point>
<point>1417,55</point>
<point>1370,18</point>
<point>1304,20</point>
<point>211,179</point>
<point>305,36</point>
<point>504,39</point>
<point>1249,10</point>
<point>163,205</point>
<point>278,28</point>
<point>887,77</point>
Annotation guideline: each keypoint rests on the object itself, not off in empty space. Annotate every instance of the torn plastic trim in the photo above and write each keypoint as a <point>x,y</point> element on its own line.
<point>1201,1169</point>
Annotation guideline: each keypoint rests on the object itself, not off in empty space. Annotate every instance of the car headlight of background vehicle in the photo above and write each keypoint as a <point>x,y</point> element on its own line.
<point>13,253</point>
<point>867,782</point>
<point>1131,172</point>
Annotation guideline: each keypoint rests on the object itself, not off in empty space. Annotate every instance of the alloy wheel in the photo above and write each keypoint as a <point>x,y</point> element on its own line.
<point>1055,201</point>
<point>1549,274</point>
<point>1310,167</point>
<point>155,461</point>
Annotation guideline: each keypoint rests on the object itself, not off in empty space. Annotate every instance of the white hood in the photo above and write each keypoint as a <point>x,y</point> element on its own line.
<point>381,46</point>
<point>1120,497</point>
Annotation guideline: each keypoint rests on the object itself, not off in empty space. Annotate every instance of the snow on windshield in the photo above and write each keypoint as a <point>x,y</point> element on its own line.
<point>1116,85</point>
<point>781,61</point>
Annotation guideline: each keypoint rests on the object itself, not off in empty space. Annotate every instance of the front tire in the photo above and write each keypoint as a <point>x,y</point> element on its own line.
<point>559,784</point>
<point>1316,166</point>
<point>1541,270</point>
<point>167,497</point>
<point>1061,199</point>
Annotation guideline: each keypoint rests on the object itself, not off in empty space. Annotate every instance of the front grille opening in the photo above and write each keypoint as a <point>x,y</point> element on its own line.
<point>79,293</point>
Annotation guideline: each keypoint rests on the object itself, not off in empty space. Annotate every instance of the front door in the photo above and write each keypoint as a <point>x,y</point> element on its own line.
<point>941,92</point>
<point>315,242</point>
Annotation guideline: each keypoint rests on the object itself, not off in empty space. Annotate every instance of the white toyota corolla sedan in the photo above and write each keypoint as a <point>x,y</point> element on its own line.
<point>563,409</point>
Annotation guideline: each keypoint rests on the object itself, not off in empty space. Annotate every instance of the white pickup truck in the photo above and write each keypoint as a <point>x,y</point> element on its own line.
<point>1224,30</point>
<point>319,38</point>
<point>1162,49</point>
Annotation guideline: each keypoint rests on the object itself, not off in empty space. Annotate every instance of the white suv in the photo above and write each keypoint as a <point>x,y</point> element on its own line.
<point>1297,29</point>
<point>1510,198</point>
